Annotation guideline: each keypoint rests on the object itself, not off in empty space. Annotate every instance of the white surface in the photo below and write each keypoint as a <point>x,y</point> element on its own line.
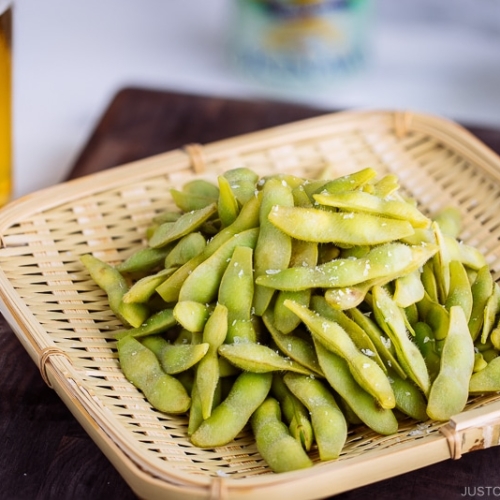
<point>71,57</point>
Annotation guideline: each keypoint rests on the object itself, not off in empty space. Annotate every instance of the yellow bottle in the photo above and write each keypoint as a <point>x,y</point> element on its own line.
<point>5,101</point>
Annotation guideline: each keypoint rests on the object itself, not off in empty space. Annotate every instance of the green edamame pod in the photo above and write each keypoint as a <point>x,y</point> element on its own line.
<point>486,380</point>
<point>112,282</point>
<point>294,412</point>
<point>175,358</point>
<point>358,335</point>
<point>481,288</point>
<point>450,389</point>
<point>304,254</point>
<point>273,248</point>
<point>144,260</point>
<point>185,249</point>
<point>166,216</point>
<point>259,358</point>
<point>349,182</point>
<point>390,318</point>
<point>364,369</point>
<point>227,205</point>
<point>192,315</point>
<point>243,182</point>
<point>296,347</point>
<point>386,186</point>
<point>429,282</point>
<point>343,229</point>
<point>207,373</point>
<point>492,308</point>
<point>362,202</point>
<point>195,194</point>
<point>202,285</point>
<point>408,289</point>
<point>435,315</point>
<point>275,443</point>
<point>236,293</point>
<point>409,398</point>
<point>230,417</point>
<point>382,343</point>
<point>142,368</point>
<point>339,377</point>
<point>450,221</point>
<point>185,224</point>
<point>468,255</point>
<point>381,261</point>
<point>248,218</point>
<point>426,342</point>
<point>158,322</point>
<point>328,421</point>
<point>195,414</point>
<point>143,289</point>
<point>460,293</point>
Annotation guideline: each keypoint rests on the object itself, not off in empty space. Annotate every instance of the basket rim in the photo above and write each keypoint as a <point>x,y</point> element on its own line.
<point>58,371</point>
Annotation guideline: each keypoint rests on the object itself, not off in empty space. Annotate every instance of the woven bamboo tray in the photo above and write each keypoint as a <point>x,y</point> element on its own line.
<point>63,320</point>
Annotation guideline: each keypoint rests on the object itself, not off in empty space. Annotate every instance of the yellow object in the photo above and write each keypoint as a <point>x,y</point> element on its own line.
<point>5,105</point>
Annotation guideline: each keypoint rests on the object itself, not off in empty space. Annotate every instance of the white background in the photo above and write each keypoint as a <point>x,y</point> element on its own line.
<point>72,56</point>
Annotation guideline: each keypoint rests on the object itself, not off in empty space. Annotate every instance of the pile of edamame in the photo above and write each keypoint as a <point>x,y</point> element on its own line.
<point>301,308</point>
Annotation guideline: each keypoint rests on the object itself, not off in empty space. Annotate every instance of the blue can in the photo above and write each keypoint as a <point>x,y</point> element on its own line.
<point>299,42</point>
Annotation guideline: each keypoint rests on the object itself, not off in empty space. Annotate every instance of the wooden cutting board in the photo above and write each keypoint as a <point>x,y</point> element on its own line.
<point>142,122</point>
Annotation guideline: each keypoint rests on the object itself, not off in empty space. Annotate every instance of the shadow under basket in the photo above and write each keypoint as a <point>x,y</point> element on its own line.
<point>64,322</point>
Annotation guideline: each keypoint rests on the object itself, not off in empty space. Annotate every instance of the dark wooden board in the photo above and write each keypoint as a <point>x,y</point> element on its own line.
<point>44,452</point>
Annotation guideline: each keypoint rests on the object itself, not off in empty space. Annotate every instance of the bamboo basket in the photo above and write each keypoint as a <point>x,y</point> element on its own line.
<point>64,322</point>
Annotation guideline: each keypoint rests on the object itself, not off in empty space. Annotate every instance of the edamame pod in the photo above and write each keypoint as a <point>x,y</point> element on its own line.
<point>340,378</point>
<point>486,380</point>
<point>304,254</point>
<point>202,285</point>
<point>343,229</point>
<point>450,221</point>
<point>143,289</point>
<point>111,281</point>
<point>207,372</point>
<point>294,412</point>
<point>142,368</point>
<point>328,421</point>
<point>358,335</point>
<point>227,205</point>
<point>230,417</point>
<point>175,358</point>
<point>390,318</point>
<point>236,293</point>
<point>158,322</point>
<point>248,218</point>
<point>243,182</point>
<point>359,201</point>
<point>185,249</point>
<point>381,261</point>
<point>273,248</point>
<point>350,181</point>
<point>409,398</point>
<point>293,345</point>
<point>450,389</point>
<point>144,260</point>
<point>481,289</point>
<point>192,315</point>
<point>460,292</point>
<point>364,369</point>
<point>408,289</point>
<point>275,443</point>
<point>185,224</point>
<point>259,358</point>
